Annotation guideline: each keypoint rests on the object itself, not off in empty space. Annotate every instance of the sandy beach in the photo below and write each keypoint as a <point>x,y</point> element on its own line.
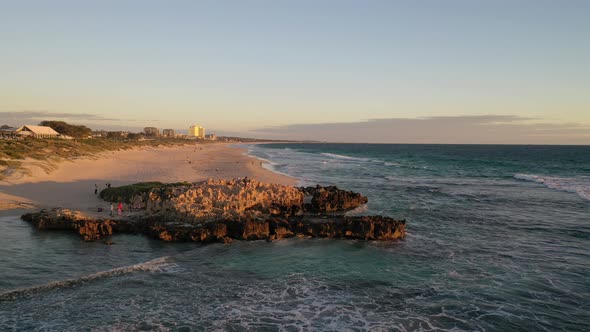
<point>71,185</point>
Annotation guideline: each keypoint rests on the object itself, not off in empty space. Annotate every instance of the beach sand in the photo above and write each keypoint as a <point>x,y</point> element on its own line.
<point>71,184</point>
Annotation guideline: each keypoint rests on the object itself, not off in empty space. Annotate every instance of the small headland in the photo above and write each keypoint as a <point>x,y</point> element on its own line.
<point>224,210</point>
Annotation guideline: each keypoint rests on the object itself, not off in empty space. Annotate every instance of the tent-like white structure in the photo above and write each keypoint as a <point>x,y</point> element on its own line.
<point>38,131</point>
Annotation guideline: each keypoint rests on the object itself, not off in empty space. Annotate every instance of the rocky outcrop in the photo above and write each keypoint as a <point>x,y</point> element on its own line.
<point>231,199</point>
<point>275,228</point>
<point>64,219</point>
<point>226,210</point>
<point>221,199</point>
<point>331,199</point>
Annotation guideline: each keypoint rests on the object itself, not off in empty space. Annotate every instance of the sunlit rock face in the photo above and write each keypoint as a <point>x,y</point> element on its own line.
<point>223,199</point>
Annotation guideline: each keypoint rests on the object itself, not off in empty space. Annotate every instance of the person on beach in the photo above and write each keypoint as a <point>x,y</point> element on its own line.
<point>112,208</point>
<point>95,189</point>
<point>120,208</point>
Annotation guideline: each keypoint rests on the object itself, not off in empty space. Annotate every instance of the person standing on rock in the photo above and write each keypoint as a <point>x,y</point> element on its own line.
<point>120,209</point>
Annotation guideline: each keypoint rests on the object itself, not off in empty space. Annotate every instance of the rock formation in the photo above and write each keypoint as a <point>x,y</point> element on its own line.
<point>221,199</point>
<point>64,219</point>
<point>223,210</point>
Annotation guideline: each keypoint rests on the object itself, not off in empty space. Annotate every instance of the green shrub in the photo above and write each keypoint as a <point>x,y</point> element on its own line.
<point>126,193</point>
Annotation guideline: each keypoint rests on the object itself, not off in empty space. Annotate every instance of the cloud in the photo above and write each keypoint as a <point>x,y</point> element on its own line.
<point>481,129</point>
<point>46,115</point>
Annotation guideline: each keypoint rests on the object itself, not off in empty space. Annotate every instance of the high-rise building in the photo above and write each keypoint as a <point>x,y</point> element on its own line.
<point>196,131</point>
<point>168,133</point>
<point>151,131</point>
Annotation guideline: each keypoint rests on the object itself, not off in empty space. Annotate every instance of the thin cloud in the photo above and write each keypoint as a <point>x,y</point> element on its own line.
<point>46,115</point>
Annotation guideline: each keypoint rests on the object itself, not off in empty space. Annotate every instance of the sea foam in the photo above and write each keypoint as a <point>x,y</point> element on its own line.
<point>156,265</point>
<point>579,185</point>
<point>343,157</point>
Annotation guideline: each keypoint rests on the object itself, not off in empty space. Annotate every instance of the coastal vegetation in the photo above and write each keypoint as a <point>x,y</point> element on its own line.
<point>75,131</point>
<point>14,153</point>
<point>126,193</point>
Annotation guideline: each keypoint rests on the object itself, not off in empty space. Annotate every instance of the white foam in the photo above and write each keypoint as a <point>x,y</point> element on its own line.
<point>269,164</point>
<point>578,185</point>
<point>156,265</point>
<point>339,156</point>
<point>357,211</point>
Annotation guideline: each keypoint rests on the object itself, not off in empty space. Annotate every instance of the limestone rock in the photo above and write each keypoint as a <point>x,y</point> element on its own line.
<point>331,199</point>
<point>64,219</point>
<point>223,210</point>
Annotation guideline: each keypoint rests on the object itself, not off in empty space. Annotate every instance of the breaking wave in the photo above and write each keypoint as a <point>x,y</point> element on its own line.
<point>580,185</point>
<point>339,156</point>
<point>156,265</point>
<point>357,211</point>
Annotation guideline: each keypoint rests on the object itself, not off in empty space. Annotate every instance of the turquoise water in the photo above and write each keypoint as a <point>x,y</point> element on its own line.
<point>498,240</point>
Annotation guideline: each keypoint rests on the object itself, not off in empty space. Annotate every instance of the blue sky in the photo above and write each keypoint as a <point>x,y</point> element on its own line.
<point>254,67</point>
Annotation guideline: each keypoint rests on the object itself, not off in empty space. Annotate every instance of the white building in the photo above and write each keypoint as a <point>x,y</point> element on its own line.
<point>37,131</point>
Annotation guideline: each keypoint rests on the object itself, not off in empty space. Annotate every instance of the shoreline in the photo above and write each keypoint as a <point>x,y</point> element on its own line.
<point>71,184</point>
<point>267,162</point>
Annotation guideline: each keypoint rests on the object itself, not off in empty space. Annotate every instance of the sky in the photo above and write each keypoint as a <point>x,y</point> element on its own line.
<point>346,71</point>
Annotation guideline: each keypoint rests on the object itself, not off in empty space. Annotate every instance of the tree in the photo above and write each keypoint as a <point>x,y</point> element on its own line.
<point>114,135</point>
<point>76,131</point>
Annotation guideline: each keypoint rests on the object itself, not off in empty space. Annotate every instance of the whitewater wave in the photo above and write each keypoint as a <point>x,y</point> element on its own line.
<point>357,211</point>
<point>343,157</point>
<point>156,265</point>
<point>579,185</point>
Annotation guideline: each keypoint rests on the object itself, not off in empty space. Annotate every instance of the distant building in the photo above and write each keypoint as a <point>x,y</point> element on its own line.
<point>151,131</point>
<point>196,131</point>
<point>211,137</point>
<point>8,132</point>
<point>168,133</point>
<point>99,133</point>
<point>37,131</point>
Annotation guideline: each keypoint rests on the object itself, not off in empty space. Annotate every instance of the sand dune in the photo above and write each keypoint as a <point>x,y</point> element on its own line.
<point>71,184</point>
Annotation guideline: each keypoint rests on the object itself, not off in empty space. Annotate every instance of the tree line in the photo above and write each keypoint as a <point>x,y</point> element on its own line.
<point>76,131</point>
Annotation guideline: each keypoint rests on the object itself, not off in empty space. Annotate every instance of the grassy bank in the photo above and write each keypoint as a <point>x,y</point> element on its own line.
<point>13,152</point>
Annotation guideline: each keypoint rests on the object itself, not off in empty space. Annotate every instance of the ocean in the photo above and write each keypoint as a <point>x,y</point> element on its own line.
<point>498,240</point>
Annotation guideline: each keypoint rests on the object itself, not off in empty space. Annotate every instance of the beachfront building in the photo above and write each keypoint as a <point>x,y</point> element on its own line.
<point>151,131</point>
<point>168,133</point>
<point>37,131</point>
<point>211,137</point>
<point>196,131</point>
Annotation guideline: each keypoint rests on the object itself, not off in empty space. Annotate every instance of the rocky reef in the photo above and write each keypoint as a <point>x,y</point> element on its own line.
<point>226,210</point>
